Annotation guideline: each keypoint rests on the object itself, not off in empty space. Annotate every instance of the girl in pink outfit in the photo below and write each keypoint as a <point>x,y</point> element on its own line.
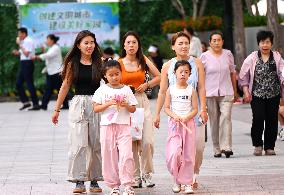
<point>181,106</point>
<point>115,101</point>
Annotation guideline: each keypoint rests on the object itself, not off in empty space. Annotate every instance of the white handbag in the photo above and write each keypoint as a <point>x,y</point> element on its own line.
<point>136,123</point>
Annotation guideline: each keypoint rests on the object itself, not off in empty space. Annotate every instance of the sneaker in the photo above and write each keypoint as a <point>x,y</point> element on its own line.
<point>270,152</point>
<point>35,107</point>
<point>115,191</point>
<point>147,178</point>
<point>80,187</point>
<point>26,105</point>
<point>137,183</point>
<point>257,151</point>
<point>128,191</point>
<point>188,189</point>
<point>94,187</point>
<point>281,135</point>
<point>176,188</point>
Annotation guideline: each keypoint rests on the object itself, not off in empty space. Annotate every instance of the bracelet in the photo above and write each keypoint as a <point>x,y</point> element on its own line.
<point>56,110</point>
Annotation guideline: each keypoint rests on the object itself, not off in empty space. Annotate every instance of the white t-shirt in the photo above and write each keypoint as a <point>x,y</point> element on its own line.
<point>112,114</point>
<point>181,100</point>
<point>28,45</point>
<point>53,59</point>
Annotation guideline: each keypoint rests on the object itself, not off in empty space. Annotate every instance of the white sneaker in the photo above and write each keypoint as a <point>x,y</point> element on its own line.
<point>147,178</point>
<point>176,188</point>
<point>188,189</point>
<point>137,183</point>
<point>281,135</point>
<point>128,191</point>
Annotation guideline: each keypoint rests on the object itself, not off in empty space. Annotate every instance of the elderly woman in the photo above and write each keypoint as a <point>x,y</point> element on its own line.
<point>261,79</point>
<point>221,89</point>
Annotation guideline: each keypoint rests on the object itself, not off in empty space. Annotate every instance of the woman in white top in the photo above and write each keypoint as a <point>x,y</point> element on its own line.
<point>53,62</point>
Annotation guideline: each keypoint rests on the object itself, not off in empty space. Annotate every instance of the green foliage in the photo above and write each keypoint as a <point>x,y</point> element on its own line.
<point>146,19</point>
<point>8,63</point>
<point>250,21</point>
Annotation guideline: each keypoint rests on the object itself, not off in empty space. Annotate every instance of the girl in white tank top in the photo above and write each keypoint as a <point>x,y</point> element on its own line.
<point>181,107</point>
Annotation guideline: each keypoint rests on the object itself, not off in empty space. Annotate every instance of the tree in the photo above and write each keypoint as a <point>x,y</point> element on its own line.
<point>195,11</point>
<point>273,23</point>
<point>249,4</point>
<point>202,8</point>
<point>179,7</point>
<point>239,33</point>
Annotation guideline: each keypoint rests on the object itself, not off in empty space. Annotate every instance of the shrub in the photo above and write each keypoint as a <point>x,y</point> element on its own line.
<point>204,23</point>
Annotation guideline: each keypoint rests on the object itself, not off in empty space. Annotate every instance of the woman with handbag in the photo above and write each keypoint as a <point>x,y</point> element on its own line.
<point>134,65</point>
<point>180,44</point>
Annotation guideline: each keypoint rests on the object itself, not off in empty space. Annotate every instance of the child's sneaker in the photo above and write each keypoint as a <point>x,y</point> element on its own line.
<point>94,187</point>
<point>176,188</point>
<point>80,187</point>
<point>188,189</point>
<point>128,191</point>
<point>115,191</point>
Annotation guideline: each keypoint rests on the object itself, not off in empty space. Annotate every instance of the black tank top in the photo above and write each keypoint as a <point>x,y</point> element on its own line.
<point>84,84</point>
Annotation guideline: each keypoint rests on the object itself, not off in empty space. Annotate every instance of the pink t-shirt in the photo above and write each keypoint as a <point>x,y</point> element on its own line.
<point>217,73</point>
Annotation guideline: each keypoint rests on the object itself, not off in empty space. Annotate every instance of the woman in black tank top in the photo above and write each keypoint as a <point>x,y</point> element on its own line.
<point>82,68</point>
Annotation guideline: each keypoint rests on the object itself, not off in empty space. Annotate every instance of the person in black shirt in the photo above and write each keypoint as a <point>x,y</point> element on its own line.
<point>82,68</point>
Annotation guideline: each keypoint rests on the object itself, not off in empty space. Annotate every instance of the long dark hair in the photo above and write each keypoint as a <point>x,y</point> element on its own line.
<point>139,53</point>
<point>72,60</point>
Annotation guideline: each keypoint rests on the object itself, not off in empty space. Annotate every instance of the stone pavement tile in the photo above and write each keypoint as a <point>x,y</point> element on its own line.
<point>15,189</point>
<point>34,156</point>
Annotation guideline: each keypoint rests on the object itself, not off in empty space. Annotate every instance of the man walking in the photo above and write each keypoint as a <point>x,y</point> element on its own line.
<point>25,74</point>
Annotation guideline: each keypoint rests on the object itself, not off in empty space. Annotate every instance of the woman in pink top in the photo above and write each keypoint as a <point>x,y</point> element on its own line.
<point>261,80</point>
<point>220,84</point>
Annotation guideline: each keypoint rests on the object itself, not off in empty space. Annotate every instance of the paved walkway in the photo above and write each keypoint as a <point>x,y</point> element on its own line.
<point>33,158</point>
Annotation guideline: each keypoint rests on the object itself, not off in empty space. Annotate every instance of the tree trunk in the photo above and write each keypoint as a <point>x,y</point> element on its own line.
<point>256,9</point>
<point>273,23</point>
<point>195,9</point>
<point>228,25</point>
<point>202,8</point>
<point>239,33</point>
<point>178,5</point>
<point>249,4</point>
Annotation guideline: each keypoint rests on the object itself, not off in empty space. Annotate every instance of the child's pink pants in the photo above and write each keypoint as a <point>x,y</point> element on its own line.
<point>180,151</point>
<point>117,157</point>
